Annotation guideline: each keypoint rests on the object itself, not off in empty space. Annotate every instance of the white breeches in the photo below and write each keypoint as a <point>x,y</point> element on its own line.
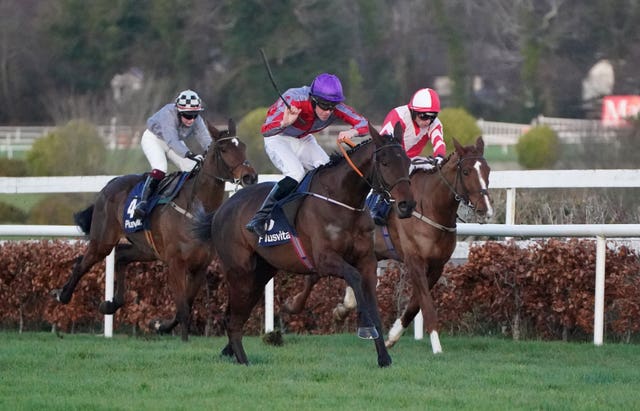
<point>294,156</point>
<point>157,151</point>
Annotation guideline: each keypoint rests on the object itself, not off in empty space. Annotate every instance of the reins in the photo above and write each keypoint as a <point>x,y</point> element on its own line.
<point>382,187</point>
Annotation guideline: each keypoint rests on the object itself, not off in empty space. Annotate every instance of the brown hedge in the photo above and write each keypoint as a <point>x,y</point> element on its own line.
<point>545,290</point>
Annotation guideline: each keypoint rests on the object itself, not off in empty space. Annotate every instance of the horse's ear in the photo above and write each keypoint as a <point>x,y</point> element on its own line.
<point>377,139</point>
<point>457,145</point>
<point>397,131</point>
<point>215,133</point>
<point>232,128</point>
<point>480,144</point>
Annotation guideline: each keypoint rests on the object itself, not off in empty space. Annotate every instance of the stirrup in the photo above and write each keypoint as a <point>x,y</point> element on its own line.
<point>257,227</point>
<point>140,210</point>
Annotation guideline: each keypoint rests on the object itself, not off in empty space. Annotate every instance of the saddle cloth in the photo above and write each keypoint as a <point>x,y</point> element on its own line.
<point>167,190</point>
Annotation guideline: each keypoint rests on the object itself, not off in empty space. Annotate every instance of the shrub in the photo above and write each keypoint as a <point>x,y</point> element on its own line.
<point>58,209</point>
<point>538,148</point>
<point>74,149</point>
<point>11,214</point>
<point>458,123</point>
<point>10,167</point>
<point>249,133</point>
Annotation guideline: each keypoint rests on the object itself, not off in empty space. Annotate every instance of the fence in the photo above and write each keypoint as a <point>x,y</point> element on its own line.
<point>15,139</point>
<point>508,180</point>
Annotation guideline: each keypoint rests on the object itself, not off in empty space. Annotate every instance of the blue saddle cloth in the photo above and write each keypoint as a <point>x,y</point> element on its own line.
<point>168,189</point>
<point>280,228</point>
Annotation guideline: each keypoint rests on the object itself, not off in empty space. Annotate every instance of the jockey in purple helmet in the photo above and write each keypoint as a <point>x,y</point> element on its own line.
<point>289,140</point>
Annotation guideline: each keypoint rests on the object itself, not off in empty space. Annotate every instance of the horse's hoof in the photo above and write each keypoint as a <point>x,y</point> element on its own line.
<point>368,333</point>
<point>389,343</point>
<point>57,294</point>
<point>227,351</point>
<point>107,308</point>
<point>384,361</point>
<point>155,325</point>
<point>340,312</point>
<point>273,338</point>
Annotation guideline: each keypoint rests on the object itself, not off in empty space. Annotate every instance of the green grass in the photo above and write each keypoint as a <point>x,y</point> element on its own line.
<point>42,371</point>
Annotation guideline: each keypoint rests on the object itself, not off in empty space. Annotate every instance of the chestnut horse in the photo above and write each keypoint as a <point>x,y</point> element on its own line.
<point>425,244</point>
<point>334,236</point>
<point>168,238</point>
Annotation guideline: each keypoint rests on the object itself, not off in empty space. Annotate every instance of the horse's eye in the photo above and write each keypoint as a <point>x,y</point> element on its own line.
<point>465,171</point>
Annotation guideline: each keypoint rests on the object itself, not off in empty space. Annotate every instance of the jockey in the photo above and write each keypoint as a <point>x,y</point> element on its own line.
<point>289,140</point>
<point>420,124</point>
<point>164,137</point>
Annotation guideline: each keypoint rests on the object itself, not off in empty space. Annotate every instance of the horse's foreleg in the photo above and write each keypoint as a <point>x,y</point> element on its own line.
<point>296,304</point>
<point>369,282</point>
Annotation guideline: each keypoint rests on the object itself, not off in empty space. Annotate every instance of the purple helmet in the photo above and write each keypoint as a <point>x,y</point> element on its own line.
<point>327,87</point>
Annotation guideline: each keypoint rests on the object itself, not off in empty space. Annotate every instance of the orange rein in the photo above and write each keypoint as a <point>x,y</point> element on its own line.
<point>346,156</point>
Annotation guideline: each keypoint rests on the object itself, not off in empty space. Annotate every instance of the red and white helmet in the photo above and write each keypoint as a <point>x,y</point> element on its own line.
<point>188,100</point>
<point>425,100</point>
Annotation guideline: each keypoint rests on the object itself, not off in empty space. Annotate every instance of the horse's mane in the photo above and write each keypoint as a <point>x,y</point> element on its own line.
<point>337,157</point>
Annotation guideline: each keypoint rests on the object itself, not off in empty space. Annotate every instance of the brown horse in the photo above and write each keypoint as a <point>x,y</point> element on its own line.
<point>425,244</point>
<point>334,233</point>
<point>168,238</point>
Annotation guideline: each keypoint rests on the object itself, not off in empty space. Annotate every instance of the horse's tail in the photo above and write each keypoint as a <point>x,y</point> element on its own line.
<point>83,219</point>
<point>201,226</point>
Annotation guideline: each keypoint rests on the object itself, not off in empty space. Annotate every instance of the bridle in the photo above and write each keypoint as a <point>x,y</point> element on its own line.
<point>464,196</point>
<point>377,182</point>
<point>221,166</point>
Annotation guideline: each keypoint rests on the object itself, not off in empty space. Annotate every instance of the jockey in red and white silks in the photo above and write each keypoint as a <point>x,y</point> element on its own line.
<point>419,124</point>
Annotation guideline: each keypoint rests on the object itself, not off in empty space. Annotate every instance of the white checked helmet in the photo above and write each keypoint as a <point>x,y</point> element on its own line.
<point>188,100</point>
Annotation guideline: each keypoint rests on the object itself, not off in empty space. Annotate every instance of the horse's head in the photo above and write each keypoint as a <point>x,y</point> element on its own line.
<point>227,157</point>
<point>472,177</point>
<point>391,176</point>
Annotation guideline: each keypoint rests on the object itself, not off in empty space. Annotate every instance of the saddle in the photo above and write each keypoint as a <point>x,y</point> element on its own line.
<point>167,190</point>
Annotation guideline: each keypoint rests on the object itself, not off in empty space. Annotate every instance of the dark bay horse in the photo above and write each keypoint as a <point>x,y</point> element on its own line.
<point>334,233</point>
<point>426,242</point>
<point>169,238</point>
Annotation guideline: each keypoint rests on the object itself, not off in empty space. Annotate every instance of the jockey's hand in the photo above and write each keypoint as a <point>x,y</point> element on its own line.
<point>346,135</point>
<point>198,158</point>
<point>290,116</point>
<point>438,160</point>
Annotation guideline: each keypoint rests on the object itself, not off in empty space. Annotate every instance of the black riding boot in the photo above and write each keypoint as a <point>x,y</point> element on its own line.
<point>282,189</point>
<point>150,185</point>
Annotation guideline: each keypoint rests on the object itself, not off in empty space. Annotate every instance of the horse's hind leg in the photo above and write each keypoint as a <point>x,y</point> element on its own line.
<point>296,304</point>
<point>95,252</point>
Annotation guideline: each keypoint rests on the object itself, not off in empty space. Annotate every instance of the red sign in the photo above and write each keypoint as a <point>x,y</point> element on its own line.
<point>617,109</point>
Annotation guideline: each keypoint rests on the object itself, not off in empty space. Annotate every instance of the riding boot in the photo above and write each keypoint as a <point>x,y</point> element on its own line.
<point>150,185</point>
<point>380,210</point>
<point>279,191</point>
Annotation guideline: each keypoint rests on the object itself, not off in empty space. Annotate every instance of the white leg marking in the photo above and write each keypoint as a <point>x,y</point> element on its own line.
<point>349,299</point>
<point>395,333</point>
<point>435,342</point>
